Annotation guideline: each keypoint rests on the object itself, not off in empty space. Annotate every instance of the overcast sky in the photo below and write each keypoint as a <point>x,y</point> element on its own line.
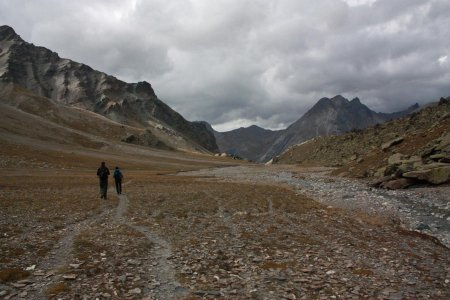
<point>235,63</point>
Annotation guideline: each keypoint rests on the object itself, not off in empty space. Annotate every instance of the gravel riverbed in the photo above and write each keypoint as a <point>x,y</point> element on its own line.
<point>426,208</point>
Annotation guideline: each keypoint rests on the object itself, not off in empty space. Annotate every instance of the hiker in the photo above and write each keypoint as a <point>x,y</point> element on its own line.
<point>118,178</point>
<point>103,173</point>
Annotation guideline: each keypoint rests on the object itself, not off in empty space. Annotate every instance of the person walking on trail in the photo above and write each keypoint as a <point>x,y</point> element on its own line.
<point>103,173</point>
<point>118,176</point>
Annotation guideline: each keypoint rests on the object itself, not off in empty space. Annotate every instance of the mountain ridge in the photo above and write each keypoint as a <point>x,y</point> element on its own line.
<point>328,116</point>
<point>43,72</point>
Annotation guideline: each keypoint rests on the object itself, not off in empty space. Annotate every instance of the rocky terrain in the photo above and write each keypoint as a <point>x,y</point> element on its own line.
<point>39,71</point>
<point>327,117</point>
<point>232,233</point>
<point>408,151</point>
<point>190,225</point>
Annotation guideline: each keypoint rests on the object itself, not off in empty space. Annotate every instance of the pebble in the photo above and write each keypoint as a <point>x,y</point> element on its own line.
<point>135,291</point>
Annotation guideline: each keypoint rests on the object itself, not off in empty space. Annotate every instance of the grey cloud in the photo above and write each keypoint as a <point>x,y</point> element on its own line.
<point>265,61</point>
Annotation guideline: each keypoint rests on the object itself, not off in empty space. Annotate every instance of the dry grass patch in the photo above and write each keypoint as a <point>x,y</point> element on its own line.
<point>13,274</point>
<point>374,219</point>
<point>363,272</point>
<point>275,265</point>
<point>57,288</point>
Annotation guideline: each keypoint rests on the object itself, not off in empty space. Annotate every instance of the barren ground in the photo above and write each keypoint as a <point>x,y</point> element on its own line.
<point>202,236</point>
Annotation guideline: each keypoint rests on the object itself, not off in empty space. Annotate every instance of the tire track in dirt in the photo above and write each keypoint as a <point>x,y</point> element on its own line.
<point>169,287</point>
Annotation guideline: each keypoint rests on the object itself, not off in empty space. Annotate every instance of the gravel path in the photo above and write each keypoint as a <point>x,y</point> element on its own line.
<point>425,209</point>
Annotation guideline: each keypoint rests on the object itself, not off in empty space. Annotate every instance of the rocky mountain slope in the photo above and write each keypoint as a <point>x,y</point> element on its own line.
<point>249,142</point>
<point>66,82</point>
<point>401,152</point>
<point>327,117</point>
<point>330,117</point>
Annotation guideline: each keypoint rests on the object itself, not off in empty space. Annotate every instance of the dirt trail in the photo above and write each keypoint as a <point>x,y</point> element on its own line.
<point>168,287</point>
<point>165,284</point>
<point>60,255</point>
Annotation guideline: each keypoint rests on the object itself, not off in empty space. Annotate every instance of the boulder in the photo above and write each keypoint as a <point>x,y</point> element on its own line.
<point>445,159</point>
<point>269,162</point>
<point>399,158</point>
<point>391,143</point>
<point>379,181</point>
<point>396,158</point>
<point>405,167</point>
<point>399,183</point>
<point>444,142</point>
<point>436,175</point>
<point>380,172</point>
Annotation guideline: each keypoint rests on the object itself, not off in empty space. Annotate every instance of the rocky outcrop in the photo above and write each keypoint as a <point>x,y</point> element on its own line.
<point>432,166</point>
<point>146,139</point>
<point>64,81</point>
<point>410,150</point>
<point>435,174</point>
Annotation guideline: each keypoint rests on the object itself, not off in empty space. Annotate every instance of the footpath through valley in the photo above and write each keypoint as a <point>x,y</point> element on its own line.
<point>249,232</point>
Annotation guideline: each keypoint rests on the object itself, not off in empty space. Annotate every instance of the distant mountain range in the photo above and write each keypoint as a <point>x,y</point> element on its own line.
<point>63,81</point>
<point>327,117</point>
<point>38,75</point>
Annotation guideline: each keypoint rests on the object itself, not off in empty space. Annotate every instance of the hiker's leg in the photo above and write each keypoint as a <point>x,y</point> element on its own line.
<point>106,187</point>
<point>101,188</point>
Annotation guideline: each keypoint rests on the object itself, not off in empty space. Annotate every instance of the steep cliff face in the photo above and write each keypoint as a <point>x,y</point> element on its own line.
<point>67,82</point>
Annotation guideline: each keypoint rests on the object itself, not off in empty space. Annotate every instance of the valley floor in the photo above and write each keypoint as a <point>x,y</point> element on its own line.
<point>243,232</point>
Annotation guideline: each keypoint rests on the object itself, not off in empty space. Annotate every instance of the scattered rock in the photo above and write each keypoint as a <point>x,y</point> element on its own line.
<point>133,262</point>
<point>391,143</point>
<point>208,293</point>
<point>30,268</point>
<point>422,227</point>
<point>135,291</point>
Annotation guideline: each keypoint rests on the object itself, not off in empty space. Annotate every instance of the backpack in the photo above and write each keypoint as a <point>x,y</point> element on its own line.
<point>117,174</point>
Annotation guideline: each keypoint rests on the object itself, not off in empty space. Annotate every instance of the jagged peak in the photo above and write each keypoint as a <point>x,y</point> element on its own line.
<point>323,100</point>
<point>338,97</point>
<point>7,33</point>
<point>339,100</point>
<point>143,87</point>
<point>355,101</point>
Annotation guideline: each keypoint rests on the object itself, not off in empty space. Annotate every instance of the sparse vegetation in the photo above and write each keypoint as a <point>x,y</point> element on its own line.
<point>56,289</point>
<point>13,274</point>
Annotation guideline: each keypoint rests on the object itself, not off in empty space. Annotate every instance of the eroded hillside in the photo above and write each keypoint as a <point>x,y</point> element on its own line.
<point>416,142</point>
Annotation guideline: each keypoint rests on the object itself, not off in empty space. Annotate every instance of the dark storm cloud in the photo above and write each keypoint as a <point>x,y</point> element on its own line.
<point>234,63</point>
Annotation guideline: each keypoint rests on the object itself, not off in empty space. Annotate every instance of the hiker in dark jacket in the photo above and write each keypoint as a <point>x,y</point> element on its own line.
<point>103,173</point>
<point>118,178</point>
